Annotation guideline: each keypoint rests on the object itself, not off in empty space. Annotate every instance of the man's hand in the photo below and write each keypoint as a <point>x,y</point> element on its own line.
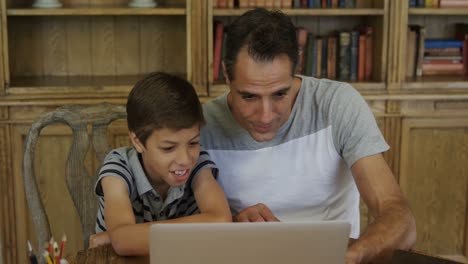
<point>256,213</point>
<point>99,239</point>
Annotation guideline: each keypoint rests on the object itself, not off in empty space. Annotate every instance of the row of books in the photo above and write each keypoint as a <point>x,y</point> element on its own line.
<point>344,56</point>
<point>428,56</point>
<point>287,3</point>
<point>438,3</point>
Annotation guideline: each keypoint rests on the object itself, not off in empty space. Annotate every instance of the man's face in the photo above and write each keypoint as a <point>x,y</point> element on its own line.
<point>169,155</point>
<point>262,94</point>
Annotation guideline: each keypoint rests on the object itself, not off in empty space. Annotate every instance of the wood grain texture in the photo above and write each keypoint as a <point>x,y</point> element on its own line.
<point>7,216</point>
<point>200,36</point>
<point>4,56</point>
<point>434,175</point>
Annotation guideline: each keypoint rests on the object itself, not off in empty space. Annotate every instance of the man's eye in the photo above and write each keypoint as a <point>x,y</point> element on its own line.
<point>280,95</point>
<point>248,97</point>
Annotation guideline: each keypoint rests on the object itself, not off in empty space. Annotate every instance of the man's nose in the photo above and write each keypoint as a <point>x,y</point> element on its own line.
<point>266,112</point>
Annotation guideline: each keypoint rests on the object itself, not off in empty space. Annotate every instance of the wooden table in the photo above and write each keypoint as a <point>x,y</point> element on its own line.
<point>106,255</point>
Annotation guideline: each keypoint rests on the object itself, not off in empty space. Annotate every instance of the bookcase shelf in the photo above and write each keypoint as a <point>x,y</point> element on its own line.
<point>101,11</point>
<point>308,12</point>
<point>438,11</point>
<point>437,82</point>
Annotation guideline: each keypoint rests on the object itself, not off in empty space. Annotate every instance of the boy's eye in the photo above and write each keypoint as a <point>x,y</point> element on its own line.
<point>167,148</point>
<point>194,143</point>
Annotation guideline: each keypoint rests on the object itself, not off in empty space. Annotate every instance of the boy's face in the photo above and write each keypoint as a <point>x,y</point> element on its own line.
<point>169,155</point>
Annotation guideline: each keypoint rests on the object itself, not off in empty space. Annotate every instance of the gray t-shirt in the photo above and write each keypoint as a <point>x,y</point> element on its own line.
<point>304,172</point>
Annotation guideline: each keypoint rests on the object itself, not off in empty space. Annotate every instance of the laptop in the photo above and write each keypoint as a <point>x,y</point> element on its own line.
<point>249,243</point>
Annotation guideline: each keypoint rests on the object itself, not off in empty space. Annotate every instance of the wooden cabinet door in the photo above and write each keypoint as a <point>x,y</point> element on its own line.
<point>434,178</point>
<point>50,159</point>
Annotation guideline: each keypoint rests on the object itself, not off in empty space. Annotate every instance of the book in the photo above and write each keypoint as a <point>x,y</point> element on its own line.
<point>218,40</point>
<point>331,58</point>
<point>354,56</point>
<point>368,32</point>
<point>361,57</point>
<point>344,56</point>
<point>302,43</point>
<point>453,3</point>
<point>318,63</point>
<point>311,55</point>
<point>442,43</point>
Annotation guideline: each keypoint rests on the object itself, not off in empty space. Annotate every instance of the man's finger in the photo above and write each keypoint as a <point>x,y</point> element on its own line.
<point>267,214</point>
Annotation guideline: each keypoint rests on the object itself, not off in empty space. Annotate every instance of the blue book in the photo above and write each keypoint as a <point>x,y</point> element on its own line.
<point>311,3</point>
<point>441,43</point>
<point>412,3</point>
<point>342,4</point>
<point>421,3</point>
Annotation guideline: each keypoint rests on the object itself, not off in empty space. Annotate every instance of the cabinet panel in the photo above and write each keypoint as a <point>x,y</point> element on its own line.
<point>434,178</point>
<point>51,154</point>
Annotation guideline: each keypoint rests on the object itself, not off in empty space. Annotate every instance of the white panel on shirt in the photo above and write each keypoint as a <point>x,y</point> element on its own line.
<point>302,179</point>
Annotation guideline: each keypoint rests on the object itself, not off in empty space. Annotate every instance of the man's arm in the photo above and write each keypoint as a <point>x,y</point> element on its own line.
<point>393,226</point>
<point>131,239</point>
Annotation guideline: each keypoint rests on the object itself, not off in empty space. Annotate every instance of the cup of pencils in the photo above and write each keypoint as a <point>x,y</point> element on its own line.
<point>53,253</point>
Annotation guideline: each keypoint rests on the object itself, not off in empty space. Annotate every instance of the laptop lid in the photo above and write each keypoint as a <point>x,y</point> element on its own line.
<point>249,243</point>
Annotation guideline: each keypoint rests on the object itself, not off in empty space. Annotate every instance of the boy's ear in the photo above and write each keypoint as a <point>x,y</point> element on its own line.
<point>226,77</point>
<point>136,142</point>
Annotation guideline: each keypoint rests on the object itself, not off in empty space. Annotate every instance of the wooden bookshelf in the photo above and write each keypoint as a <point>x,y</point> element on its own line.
<point>101,11</point>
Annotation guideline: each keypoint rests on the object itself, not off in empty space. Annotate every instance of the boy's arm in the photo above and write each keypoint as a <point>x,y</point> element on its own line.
<point>127,238</point>
<point>130,239</point>
<point>211,201</point>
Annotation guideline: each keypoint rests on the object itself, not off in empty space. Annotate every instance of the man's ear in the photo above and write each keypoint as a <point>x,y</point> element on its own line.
<point>136,142</point>
<point>226,77</point>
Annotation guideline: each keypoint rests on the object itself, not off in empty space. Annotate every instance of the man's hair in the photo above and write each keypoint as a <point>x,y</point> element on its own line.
<point>161,100</point>
<point>265,34</point>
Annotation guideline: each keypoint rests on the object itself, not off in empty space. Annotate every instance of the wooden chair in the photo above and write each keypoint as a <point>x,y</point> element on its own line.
<point>79,183</point>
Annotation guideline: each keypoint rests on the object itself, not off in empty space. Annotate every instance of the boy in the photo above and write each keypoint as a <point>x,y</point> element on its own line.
<point>165,177</point>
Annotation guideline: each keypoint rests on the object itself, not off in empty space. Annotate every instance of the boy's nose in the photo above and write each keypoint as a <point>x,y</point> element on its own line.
<point>183,157</point>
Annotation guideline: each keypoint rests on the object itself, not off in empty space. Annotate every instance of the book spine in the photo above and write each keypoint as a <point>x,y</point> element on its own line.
<point>331,63</point>
<point>318,62</point>
<point>432,43</point>
<point>309,55</point>
<point>369,53</point>
<point>412,3</point>
<point>302,42</point>
<point>362,57</point>
<point>324,56</point>
<point>344,56</point>
<point>354,56</point>
<point>218,38</point>
<point>465,55</point>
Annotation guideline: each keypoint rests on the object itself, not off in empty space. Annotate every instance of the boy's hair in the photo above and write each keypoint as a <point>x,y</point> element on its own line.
<point>265,34</point>
<point>161,100</point>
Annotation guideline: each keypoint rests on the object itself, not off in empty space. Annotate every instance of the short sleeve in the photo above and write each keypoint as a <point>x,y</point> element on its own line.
<point>115,164</point>
<point>355,131</point>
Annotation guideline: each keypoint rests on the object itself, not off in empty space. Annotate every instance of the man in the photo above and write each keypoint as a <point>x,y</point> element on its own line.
<point>299,148</point>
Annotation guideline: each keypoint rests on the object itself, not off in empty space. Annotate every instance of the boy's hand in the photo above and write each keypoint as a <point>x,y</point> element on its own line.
<point>99,239</point>
<point>256,213</point>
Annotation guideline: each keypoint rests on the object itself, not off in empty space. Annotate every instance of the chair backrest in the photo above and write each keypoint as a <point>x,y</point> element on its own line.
<point>80,184</point>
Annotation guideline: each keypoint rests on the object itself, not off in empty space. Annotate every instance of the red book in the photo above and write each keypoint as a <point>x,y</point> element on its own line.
<point>222,3</point>
<point>362,58</point>
<point>324,3</point>
<point>465,56</point>
<point>302,42</point>
<point>368,32</point>
<point>218,41</point>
